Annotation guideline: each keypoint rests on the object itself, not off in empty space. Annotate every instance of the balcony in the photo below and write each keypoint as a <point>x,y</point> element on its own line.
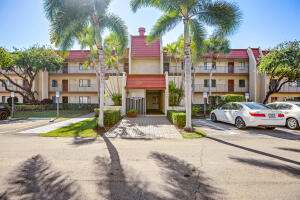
<point>289,88</point>
<point>14,88</point>
<point>219,69</point>
<point>220,88</point>
<point>74,88</point>
<point>76,70</point>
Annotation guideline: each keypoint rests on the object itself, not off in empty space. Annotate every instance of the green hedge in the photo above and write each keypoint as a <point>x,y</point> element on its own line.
<point>29,107</point>
<point>234,98</point>
<point>177,117</point>
<point>69,106</point>
<point>111,116</point>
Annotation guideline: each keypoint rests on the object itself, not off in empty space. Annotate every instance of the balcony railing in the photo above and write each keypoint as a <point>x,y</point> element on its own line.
<point>219,69</point>
<point>289,88</point>
<point>76,70</point>
<point>74,88</point>
<point>2,89</point>
<point>220,88</point>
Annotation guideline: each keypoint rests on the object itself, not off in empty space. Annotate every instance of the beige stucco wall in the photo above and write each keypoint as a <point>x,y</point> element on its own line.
<point>74,98</point>
<point>136,93</point>
<point>145,66</point>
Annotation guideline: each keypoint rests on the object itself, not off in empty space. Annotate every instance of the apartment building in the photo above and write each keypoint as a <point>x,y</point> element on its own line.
<point>145,72</point>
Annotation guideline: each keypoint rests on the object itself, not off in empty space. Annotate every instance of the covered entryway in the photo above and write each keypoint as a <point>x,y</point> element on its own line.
<point>154,102</point>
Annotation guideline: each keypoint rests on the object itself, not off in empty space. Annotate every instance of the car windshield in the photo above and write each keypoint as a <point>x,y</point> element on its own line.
<point>255,106</point>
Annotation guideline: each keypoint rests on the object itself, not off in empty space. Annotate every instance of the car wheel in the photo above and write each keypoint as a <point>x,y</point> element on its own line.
<point>239,123</point>
<point>292,123</point>
<point>213,117</point>
<point>270,128</point>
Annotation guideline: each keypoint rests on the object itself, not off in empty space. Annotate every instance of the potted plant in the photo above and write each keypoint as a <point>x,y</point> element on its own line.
<point>132,113</point>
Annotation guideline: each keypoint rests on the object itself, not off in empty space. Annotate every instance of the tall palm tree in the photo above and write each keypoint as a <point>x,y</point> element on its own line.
<point>194,14</point>
<point>215,46</point>
<point>69,18</point>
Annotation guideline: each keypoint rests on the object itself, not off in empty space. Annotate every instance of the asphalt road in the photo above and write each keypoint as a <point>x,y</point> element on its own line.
<point>227,164</point>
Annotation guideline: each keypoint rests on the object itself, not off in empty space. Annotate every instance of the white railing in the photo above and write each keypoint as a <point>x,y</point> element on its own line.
<point>288,88</point>
<point>202,69</point>
<point>74,88</point>
<point>77,70</point>
<point>220,88</point>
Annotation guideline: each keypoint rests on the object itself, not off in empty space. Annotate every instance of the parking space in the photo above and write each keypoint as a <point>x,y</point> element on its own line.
<point>224,129</point>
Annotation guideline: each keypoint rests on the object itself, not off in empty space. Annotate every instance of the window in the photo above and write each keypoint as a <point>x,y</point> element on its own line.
<point>255,106</point>
<point>205,66</point>
<point>213,83</point>
<point>235,106</point>
<point>82,67</point>
<point>283,106</point>
<point>226,107</point>
<point>272,106</point>
<point>297,83</point>
<point>242,83</point>
<point>84,83</point>
<point>214,65</point>
<point>3,99</point>
<point>242,65</point>
<point>8,83</point>
<point>84,100</point>
<point>54,83</point>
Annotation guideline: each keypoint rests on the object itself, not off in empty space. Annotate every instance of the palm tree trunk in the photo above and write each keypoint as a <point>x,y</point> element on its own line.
<point>102,88</point>
<point>188,89</point>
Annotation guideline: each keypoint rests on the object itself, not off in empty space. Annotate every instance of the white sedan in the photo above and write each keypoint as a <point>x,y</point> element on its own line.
<point>291,111</point>
<point>248,114</point>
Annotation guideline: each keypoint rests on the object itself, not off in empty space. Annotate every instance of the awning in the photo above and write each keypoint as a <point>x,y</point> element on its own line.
<point>146,81</point>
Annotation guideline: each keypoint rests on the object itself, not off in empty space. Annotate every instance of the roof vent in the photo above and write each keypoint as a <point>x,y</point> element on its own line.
<point>142,31</point>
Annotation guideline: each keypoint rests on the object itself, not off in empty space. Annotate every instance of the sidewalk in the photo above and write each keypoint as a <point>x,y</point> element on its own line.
<point>54,126</point>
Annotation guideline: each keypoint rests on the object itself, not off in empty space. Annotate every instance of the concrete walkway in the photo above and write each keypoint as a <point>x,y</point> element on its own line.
<point>54,126</point>
<point>144,127</point>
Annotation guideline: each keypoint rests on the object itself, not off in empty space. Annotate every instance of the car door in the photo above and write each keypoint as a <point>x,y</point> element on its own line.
<point>227,112</point>
<point>233,112</point>
<point>220,113</point>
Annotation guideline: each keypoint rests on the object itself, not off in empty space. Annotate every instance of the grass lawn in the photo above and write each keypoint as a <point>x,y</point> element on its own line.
<point>197,133</point>
<point>51,113</point>
<point>80,129</point>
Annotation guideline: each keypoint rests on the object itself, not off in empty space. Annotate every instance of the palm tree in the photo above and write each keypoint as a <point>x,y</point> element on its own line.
<point>215,46</point>
<point>70,18</point>
<point>194,14</point>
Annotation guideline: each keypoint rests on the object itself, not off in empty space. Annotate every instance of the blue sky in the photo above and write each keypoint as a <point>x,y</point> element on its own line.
<point>265,22</point>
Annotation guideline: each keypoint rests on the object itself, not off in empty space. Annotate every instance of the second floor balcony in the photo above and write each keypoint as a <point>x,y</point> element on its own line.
<point>288,88</point>
<point>221,88</point>
<point>74,88</point>
<point>218,69</point>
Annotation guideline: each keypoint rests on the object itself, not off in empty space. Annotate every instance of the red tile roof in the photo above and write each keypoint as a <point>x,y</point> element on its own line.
<point>146,81</point>
<point>139,48</point>
<point>235,53</point>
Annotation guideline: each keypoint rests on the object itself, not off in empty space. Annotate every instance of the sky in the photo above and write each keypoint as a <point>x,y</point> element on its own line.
<point>265,23</point>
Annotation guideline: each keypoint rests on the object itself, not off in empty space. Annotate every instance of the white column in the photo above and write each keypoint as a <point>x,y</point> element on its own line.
<point>161,56</point>
<point>166,93</point>
<point>123,110</point>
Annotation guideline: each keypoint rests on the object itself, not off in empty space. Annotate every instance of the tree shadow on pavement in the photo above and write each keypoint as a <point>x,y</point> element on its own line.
<point>36,179</point>
<point>184,180</point>
<point>78,141</point>
<point>254,150</point>
<point>286,169</point>
<point>289,149</point>
<point>273,133</point>
<point>120,185</point>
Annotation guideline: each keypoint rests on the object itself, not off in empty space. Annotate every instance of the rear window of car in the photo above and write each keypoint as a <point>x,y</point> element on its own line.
<point>255,106</point>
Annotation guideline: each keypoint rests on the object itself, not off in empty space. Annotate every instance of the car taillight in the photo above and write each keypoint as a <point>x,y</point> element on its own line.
<point>280,115</point>
<point>257,115</point>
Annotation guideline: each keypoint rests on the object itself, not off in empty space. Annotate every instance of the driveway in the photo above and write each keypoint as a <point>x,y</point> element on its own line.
<point>219,166</point>
<point>144,127</point>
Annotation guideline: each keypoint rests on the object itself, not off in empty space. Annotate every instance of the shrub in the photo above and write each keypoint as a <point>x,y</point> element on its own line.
<point>234,98</point>
<point>77,106</point>
<point>175,94</point>
<point>195,110</point>
<point>111,116</point>
<point>9,100</point>
<point>131,111</point>
<point>177,117</point>
<point>33,102</point>
<point>46,101</point>
<point>116,98</point>
<point>29,107</point>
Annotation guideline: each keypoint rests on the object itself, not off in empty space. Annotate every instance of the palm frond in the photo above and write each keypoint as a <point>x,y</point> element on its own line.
<point>163,25</point>
<point>163,5</point>
<point>117,26</point>
<point>198,37</point>
<point>101,6</point>
<point>224,15</point>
